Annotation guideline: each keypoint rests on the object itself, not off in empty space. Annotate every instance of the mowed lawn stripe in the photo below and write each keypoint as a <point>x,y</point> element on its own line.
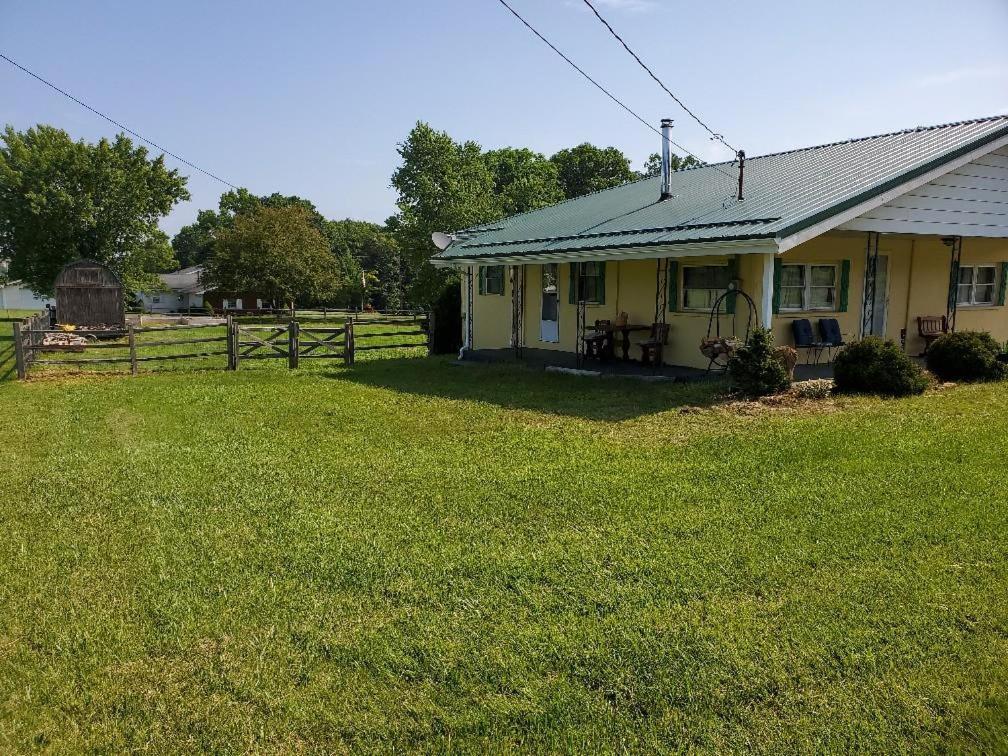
<point>413,554</point>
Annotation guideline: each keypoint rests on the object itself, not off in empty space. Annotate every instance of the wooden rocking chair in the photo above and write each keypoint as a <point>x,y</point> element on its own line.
<point>652,348</point>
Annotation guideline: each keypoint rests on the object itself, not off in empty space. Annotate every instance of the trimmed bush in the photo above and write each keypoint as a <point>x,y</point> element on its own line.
<point>447,336</point>
<point>816,389</point>
<point>966,356</point>
<point>873,366</point>
<point>754,370</point>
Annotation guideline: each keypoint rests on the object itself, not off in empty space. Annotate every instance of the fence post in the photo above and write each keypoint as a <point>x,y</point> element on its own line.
<point>230,344</point>
<point>19,362</point>
<point>132,348</point>
<point>292,344</point>
<point>430,332</point>
<point>235,344</point>
<point>348,345</point>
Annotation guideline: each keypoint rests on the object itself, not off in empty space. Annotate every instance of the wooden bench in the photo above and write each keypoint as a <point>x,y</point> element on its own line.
<point>930,327</point>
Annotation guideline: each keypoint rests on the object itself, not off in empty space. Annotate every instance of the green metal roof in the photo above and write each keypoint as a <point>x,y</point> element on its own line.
<point>784,193</point>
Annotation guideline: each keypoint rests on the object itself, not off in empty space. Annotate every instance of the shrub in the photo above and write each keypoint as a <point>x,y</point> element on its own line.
<point>821,388</point>
<point>873,366</point>
<point>208,307</point>
<point>754,370</point>
<point>447,310</point>
<point>966,356</point>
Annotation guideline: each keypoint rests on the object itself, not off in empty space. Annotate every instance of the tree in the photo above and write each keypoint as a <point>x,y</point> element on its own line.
<point>587,168</point>
<point>523,180</point>
<point>277,251</point>
<point>194,243</point>
<point>375,253</point>
<point>652,166</point>
<point>61,200</point>
<point>442,186</point>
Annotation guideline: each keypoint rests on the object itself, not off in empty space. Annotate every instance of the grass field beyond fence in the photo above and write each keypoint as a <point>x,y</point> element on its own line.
<point>411,555</point>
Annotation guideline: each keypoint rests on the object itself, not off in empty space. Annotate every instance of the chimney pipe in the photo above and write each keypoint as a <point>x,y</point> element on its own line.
<point>666,162</point>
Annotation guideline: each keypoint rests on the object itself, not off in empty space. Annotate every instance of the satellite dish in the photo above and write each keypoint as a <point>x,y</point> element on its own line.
<point>441,240</point>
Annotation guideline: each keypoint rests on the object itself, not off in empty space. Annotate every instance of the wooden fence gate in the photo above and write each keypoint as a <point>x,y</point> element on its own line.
<point>292,342</point>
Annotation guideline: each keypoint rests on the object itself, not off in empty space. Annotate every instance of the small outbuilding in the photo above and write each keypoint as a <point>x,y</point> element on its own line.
<point>89,295</point>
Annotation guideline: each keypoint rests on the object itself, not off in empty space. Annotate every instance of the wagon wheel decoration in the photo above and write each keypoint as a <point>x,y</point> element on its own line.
<point>719,349</point>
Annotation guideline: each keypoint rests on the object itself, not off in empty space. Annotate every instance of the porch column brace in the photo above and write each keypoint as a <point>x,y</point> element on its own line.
<point>580,314</point>
<point>952,304</point>
<point>467,336</point>
<point>518,309</point>
<point>871,271</point>
<point>661,290</point>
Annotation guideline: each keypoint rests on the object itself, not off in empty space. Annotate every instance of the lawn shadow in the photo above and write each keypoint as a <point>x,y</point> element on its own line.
<point>515,386</point>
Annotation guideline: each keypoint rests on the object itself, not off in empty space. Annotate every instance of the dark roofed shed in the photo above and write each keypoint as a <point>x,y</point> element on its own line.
<point>89,294</point>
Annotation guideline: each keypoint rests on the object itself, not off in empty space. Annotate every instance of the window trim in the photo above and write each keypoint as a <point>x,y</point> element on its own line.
<point>973,286</point>
<point>682,283</point>
<point>807,287</point>
<point>486,280</point>
<point>594,299</point>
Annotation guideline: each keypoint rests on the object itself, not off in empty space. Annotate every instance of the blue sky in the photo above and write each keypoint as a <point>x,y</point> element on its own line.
<point>310,98</point>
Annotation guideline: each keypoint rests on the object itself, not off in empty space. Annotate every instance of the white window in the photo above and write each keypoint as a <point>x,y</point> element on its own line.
<point>976,285</point>
<point>232,304</point>
<point>808,287</point>
<point>703,284</point>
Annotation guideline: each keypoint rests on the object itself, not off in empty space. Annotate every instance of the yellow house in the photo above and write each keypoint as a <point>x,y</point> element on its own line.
<point>873,232</point>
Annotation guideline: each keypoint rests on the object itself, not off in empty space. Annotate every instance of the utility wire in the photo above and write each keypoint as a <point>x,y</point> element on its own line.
<point>116,123</point>
<point>659,82</point>
<point>605,91</point>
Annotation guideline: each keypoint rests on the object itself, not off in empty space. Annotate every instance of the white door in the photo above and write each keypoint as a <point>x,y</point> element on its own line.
<point>549,323</point>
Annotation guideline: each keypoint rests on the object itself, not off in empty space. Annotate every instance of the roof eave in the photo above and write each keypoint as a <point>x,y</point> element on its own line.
<point>826,220</point>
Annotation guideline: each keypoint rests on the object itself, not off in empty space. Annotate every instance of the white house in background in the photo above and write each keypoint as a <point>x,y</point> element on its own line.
<point>183,292</point>
<point>16,296</point>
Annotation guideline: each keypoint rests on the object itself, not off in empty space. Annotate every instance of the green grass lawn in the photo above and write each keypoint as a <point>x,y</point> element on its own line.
<point>411,555</point>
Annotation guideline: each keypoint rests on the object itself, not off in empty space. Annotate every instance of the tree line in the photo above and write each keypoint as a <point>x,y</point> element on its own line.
<point>62,199</point>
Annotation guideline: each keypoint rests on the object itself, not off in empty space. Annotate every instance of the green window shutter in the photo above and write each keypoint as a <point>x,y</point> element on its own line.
<point>672,286</point>
<point>482,280</point>
<point>844,285</point>
<point>733,269</point>
<point>600,287</point>
<point>572,288</point>
<point>777,270</point>
<point>1003,284</point>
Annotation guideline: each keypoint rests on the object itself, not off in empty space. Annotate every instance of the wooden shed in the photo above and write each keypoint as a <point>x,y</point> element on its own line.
<point>89,295</point>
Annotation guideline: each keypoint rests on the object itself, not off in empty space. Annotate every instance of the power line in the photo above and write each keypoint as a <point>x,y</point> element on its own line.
<point>605,91</point>
<point>116,123</point>
<point>659,82</point>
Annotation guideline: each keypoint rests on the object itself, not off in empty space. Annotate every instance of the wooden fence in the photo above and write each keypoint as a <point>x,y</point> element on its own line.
<point>291,341</point>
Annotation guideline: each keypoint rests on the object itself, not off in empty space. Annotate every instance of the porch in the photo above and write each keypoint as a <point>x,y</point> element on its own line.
<point>542,359</point>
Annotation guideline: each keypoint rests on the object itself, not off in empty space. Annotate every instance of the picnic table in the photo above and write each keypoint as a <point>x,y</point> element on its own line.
<point>624,329</point>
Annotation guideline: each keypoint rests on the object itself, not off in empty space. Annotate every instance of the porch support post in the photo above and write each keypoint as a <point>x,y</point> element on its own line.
<point>579,314</point>
<point>870,276</point>
<point>767,290</point>
<point>661,290</point>
<point>518,309</point>
<point>467,321</point>
<point>955,242</point>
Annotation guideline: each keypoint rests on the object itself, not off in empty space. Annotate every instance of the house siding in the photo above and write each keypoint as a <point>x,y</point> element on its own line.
<point>917,285</point>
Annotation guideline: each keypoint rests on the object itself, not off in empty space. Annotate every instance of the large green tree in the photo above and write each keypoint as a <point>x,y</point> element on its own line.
<point>278,251</point>
<point>442,186</point>
<point>61,200</point>
<point>652,166</point>
<point>587,168</point>
<point>379,265</point>
<point>523,180</point>
<point>194,243</point>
